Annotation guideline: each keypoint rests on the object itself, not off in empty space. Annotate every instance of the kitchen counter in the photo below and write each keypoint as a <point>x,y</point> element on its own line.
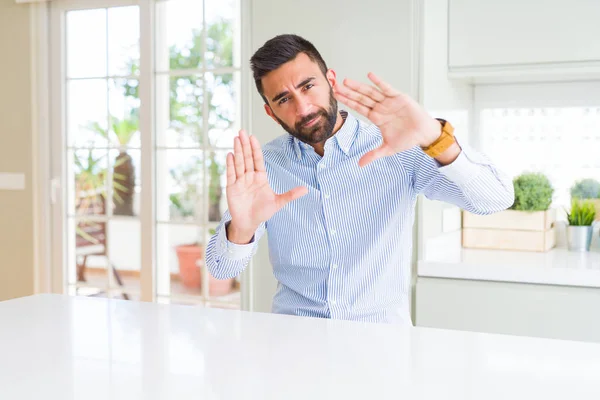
<point>445,258</point>
<point>60,347</point>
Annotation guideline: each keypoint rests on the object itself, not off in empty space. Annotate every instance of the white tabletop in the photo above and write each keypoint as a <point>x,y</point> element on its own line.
<point>57,347</point>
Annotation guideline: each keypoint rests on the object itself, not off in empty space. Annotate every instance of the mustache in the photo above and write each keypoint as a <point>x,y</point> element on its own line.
<point>309,118</point>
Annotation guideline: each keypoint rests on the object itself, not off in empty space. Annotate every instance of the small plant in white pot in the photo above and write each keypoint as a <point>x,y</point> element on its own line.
<point>588,189</point>
<point>581,219</point>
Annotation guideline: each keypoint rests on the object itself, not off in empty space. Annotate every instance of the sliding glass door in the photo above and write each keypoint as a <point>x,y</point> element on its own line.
<point>147,98</point>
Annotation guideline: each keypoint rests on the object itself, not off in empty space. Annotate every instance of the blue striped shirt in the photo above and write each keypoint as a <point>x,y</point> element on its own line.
<point>344,250</point>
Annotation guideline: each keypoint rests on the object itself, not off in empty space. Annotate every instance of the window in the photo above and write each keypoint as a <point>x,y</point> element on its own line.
<point>549,128</point>
<point>145,121</point>
<point>197,84</point>
<point>561,142</point>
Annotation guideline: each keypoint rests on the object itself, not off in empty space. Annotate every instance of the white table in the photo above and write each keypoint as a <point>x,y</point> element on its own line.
<point>57,347</point>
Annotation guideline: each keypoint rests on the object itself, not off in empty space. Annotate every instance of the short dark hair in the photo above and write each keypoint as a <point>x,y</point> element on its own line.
<point>279,50</point>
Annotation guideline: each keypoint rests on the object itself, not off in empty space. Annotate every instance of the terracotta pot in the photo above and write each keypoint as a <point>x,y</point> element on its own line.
<point>219,287</point>
<point>190,257</point>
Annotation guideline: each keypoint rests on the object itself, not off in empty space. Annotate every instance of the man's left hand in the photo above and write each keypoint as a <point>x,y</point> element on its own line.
<point>402,121</point>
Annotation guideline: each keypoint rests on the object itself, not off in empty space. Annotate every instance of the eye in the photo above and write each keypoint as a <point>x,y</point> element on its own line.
<point>308,86</point>
<point>283,100</point>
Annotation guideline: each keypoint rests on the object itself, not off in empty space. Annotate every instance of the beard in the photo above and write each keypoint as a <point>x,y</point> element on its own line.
<point>319,131</point>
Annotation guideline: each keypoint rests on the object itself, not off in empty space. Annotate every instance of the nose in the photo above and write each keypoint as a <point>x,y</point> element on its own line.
<point>303,107</point>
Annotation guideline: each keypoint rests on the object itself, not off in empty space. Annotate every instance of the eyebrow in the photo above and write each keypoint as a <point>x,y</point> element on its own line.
<point>298,86</point>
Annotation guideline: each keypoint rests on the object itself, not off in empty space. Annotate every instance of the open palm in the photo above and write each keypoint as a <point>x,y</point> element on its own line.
<point>250,199</point>
<point>402,121</point>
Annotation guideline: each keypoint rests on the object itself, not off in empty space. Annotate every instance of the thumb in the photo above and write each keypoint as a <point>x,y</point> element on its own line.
<point>287,197</point>
<point>373,155</point>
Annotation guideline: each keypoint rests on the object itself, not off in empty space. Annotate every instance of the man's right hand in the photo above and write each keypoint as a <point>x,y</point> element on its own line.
<point>250,199</point>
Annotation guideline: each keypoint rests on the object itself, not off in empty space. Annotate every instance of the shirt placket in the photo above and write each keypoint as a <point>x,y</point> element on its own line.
<point>332,295</point>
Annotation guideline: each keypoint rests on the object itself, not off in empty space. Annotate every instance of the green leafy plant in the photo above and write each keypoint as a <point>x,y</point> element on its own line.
<point>586,189</point>
<point>533,192</point>
<point>582,213</point>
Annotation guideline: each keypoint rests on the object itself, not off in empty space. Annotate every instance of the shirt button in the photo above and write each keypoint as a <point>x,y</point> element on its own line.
<point>335,266</point>
<point>332,301</point>
<point>322,166</point>
<point>333,231</point>
<point>327,195</point>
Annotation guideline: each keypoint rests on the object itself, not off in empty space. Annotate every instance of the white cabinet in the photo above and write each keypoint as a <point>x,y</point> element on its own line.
<point>558,312</point>
<point>526,34</point>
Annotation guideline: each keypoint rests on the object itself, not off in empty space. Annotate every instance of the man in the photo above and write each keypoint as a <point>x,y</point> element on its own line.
<point>340,234</point>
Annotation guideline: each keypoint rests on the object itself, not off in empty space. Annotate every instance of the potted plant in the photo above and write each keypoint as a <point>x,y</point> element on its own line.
<point>579,231</point>
<point>533,192</point>
<point>527,225</point>
<point>588,189</point>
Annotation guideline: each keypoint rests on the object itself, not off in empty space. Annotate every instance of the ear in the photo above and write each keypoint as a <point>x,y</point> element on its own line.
<point>270,113</point>
<point>331,78</point>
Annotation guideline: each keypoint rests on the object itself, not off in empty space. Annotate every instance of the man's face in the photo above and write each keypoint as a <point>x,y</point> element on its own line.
<point>300,98</point>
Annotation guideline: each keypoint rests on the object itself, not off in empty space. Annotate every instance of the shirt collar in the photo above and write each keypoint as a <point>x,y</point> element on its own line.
<point>344,137</point>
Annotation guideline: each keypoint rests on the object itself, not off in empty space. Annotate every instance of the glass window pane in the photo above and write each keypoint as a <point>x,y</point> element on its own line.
<point>217,184</point>
<point>179,254</point>
<point>86,43</point>
<point>179,176</point>
<point>126,167</point>
<point>87,113</point>
<point>180,263</point>
<point>224,109</point>
<point>179,122</point>
<point>124,251</point>
<point>123,41</point>
<point>124,105</point>
<point>520,139</point>
<point>89,171</point>
<point>222,33</point>
<point>87,264</point>
<point>178,34</point>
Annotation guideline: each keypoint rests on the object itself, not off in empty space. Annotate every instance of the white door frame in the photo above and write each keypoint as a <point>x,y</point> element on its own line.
<point>59,242</point>
<point>40,110</point>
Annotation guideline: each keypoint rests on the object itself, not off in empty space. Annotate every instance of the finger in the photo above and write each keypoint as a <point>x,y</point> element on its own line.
<point>259,163</point>
<point>372,156</point>
<point>364,89</point>
<point>353,104</point>
<point>230,170</point>
<point>238,158</point>
<point>287,197</point>
<point>384,86</point>
<point>356,96</point>
<point>247,150</point>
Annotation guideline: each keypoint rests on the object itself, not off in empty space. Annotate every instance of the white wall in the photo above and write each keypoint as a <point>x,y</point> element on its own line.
<point>17,232</point>
<point>439,93</point>
<point>354,37</point>
<point>443,98</point>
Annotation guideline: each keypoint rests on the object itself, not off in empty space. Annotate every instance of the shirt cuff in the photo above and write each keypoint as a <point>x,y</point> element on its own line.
<point>233,251</point>
<point>465,168</point>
